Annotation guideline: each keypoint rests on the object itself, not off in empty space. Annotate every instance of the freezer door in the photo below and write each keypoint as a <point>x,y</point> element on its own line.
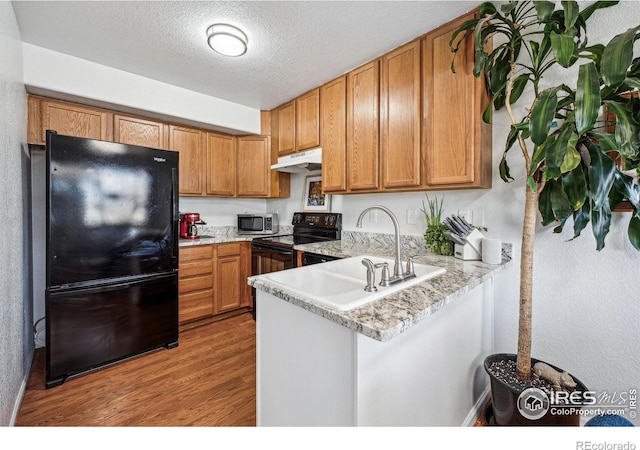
<point>90,328</point>
<point>111,210</point>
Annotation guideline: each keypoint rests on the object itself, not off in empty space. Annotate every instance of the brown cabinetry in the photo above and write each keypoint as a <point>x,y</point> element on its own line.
<point>195,283</point>
<point>221,165</point>
<point>139,131</point>
<point>286,128</point>
<point>457,142</point>
<point>213,280</point>
<point>307,113</point>
<point>400,97</point>
<point>333,107</point>
<point>67,118</point>
<point>188,142</point>
<point>363,137</point>
<point>254,158</point>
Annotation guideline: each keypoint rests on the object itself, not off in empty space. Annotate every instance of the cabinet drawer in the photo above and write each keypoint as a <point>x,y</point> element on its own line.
<point>195,284</point>
<point>198,252</point>
<point>190,269</point>
<point>196,305</point>
<point>232,248</point>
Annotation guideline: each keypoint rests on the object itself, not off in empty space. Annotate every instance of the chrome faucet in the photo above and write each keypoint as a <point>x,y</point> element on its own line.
<point>398,275</point>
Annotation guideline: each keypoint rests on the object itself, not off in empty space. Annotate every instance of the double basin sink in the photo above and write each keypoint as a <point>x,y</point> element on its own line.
<point>340,284</point>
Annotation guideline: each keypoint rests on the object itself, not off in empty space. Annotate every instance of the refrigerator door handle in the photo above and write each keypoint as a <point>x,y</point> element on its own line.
<point>175,214</point>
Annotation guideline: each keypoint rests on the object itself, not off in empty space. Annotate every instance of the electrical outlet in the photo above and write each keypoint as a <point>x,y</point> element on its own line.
<point>373,216</point>
<point>478,218</point>
<point>412,216</point>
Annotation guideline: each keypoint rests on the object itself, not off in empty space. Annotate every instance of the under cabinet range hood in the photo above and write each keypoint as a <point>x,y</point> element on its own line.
<point>306,161</point>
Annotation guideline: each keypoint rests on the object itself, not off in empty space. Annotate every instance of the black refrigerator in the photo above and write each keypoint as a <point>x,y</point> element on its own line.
<point>111,253</point>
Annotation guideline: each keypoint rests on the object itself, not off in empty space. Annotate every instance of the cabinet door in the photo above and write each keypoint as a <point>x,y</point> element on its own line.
<point>400,117</point>
<point>333,113</point>
<point>188,142</point>
<point>221,165</point>
<point>229,273</point>
<point>196,283</point>
<point>137,131</point>
<point>253,166</point>
<point>75,120</point>
<point>457,142</point>
<point>307,112</point>
<point>286,128</point>
<point>362,128</point>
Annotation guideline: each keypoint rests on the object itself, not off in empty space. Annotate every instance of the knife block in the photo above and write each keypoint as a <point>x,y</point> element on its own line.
<point>467,252</point>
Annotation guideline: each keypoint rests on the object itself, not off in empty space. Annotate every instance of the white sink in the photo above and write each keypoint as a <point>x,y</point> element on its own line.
<point>340,284</point>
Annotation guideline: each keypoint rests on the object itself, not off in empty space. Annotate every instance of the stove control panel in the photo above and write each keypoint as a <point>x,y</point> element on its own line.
<point>323,220</point>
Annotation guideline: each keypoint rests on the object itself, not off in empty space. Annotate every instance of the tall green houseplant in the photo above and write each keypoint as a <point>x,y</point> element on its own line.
<point>575,166</point>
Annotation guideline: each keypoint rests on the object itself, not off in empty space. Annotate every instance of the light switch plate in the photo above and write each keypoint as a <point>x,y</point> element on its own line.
<point>412,216</point>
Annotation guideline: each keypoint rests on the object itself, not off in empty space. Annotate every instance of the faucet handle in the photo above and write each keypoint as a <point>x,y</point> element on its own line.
<point>410,270</point>
<point>385,278</point>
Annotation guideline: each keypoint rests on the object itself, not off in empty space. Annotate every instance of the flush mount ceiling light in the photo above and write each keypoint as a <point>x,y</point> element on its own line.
<point>227,39</point>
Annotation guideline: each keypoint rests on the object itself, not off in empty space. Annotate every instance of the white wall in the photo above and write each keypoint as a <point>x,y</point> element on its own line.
<point>47,72</point>
<point>586,309</point>
<point>16,347</point>
<point>221,211</point>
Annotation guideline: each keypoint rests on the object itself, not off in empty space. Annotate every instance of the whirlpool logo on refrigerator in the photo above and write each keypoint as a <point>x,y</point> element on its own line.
<point>160,160</point>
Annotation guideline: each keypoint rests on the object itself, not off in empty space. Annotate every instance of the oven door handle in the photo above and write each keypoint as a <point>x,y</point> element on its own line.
<point>272,250</point>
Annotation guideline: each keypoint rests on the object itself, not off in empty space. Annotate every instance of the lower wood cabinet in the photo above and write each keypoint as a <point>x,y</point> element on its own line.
<point>213,280</point>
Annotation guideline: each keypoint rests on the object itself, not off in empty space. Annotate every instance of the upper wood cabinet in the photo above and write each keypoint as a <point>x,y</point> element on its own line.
<point>400,98</point>
<point>254,157</point>
<point>456,140</point>
<point>333,107</point>
<point>286,125</point>
<point>307,113</point>
<point>221,165</point>
<point>363,137</point>
<point>67,118</point>
<point>188,142</point>
<point>139,131</point>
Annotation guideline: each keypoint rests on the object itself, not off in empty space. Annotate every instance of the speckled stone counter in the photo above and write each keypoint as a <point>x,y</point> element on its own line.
<point>220,235</point>
<point>388,317</point>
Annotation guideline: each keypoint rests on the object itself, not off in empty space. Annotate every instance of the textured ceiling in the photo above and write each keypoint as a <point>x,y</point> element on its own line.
<point>294,46</point>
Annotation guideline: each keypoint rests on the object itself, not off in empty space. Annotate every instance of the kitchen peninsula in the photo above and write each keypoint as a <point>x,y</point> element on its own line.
<point>413,358</point>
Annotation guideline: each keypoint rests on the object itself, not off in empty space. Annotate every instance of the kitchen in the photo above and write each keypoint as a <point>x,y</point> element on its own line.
<point>560,336</point>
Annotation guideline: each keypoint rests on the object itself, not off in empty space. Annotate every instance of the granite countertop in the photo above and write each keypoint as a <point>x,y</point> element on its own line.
<point>390,316</point>
<point>221,235</point>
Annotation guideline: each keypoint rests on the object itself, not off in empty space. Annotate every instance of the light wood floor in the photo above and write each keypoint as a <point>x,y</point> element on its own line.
<point>208,380</point>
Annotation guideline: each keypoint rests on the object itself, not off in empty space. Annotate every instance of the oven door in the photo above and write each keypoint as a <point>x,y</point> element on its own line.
<point>265,259</point>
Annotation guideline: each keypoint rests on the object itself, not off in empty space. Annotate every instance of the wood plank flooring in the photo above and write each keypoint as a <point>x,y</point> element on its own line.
<point>208,380</point>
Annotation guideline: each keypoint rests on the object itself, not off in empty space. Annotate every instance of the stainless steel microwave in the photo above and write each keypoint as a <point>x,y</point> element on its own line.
<point>257,223</point>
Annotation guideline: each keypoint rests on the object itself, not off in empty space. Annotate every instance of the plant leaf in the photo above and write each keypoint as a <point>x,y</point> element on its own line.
<point>571,14</point>
<point>560,201</point>
<point>581,218</point>
<point>542,115</point>
<point>617,57</point>
<point>634,232</point>
<point>602,172</point>
<point>600,223</point>
<point>571,157</point>
<point>518,87</point>
<point>627,131</point>
<point>504,169</point>
<point>564,48</point>
<point>607,141</point>
<point>587,98</point>
<point>545,206</point>
<point>544,10</point>
<point>586,13</point>
<point>487,8</point>
<point>628,188</point>
<point>575,186</point>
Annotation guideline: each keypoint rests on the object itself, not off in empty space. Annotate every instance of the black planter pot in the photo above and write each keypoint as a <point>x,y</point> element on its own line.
<point>505,398</point>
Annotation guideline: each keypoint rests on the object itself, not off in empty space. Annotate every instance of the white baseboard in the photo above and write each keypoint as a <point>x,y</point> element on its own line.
<point>478,408</point>
<point>23,389</point>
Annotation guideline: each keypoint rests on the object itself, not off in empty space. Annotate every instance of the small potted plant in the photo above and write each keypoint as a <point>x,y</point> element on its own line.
<point>434,236</point>
<point>567,149</point>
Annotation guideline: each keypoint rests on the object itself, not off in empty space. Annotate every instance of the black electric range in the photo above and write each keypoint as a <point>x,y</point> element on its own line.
<point>274,253</point>
<point>307,228</point>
